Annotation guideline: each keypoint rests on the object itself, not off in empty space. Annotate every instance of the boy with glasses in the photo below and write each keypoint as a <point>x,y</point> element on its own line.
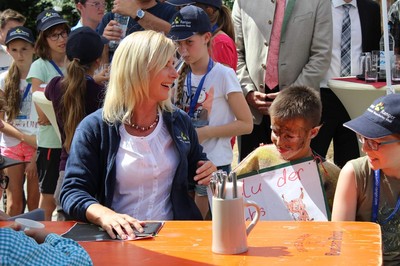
<point>91,11</point>
<point>368,188</point>
<point>295,116</point>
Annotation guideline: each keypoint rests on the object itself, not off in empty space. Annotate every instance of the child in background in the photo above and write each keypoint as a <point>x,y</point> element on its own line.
<point>77,94</point>
<point>223,47</point>
<point>368,188</point>
<point>8,19</point>
<point>209,92</point>
<point>50,47</point>
<point>18,133</point>
<point>295,116</point>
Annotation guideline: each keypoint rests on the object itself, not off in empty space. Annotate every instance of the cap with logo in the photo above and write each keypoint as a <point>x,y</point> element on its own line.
<point>213,3</point>
<point>85,44</point>
<point>47,19</point>
<point>187,22</point>
<point>381,119</point>
<point>20,32</point>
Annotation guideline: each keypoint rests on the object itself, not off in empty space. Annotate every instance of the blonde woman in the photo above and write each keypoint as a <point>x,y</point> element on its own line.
<point>134,159</point>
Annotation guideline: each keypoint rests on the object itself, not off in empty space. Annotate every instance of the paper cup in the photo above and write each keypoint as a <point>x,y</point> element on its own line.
<point>27,224</point>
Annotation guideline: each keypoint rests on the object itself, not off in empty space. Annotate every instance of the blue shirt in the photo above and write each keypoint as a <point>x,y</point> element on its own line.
<point>16,248</point>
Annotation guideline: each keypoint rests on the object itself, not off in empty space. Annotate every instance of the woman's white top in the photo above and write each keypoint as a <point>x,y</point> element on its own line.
<point>145,168</point>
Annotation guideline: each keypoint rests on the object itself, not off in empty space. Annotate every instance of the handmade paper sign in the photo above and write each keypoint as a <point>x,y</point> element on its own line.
<point>289,191</point>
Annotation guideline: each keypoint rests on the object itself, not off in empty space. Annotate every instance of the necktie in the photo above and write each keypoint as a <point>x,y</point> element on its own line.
<point>345,45</point>
<point>271,74</point>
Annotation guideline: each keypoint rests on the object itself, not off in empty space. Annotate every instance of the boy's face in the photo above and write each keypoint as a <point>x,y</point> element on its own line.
<point>292,137</point>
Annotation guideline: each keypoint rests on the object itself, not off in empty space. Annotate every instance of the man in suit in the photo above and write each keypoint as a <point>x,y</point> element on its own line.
<point>303,56</point>
<point>365,31</point>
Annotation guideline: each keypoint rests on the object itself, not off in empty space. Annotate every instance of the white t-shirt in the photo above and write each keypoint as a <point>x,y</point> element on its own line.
<point>26,121</point>
<point>5,59</point>
<point>212,109</point>
<point>145,170</point>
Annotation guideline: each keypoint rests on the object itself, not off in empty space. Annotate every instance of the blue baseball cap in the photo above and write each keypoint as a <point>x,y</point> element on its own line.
<point>47,19</point>
<point>85,44</point>
<point>20,32</point>
<point>189,21</point>
<point>213,3</point>
<point>382,118</point>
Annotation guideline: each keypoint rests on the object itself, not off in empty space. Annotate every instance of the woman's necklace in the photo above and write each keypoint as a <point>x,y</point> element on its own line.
<point>141,128</point>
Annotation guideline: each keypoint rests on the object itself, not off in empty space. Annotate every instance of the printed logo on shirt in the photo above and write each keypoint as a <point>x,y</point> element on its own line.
<point>183,138</point>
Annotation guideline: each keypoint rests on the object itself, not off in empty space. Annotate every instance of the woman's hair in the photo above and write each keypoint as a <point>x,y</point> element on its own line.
<point>42,48</point>
<point>73,99</point>
<point>298,102</point>
<point>138,58</point>
<point>223,18</point>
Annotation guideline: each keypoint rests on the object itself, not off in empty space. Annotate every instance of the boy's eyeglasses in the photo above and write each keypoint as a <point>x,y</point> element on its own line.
<point>4,181</point>
<point>97,5</point>
<point>372,144</point>
<point>55,36</point>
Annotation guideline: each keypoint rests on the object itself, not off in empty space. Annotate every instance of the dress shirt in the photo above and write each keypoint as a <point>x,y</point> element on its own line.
<point>356,40</point>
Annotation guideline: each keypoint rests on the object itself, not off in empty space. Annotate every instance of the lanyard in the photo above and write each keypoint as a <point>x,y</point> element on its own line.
<point>57,68</point>
<point>375,200</point>
<point>26,92</point>
<point>195,98</point>
<point>214,28</point>
<point>89,78</point>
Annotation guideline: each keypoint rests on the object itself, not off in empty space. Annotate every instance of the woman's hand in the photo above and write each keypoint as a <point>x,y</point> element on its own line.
<point>112,222</point>
<point>121,225</point>
<point>204,172</point>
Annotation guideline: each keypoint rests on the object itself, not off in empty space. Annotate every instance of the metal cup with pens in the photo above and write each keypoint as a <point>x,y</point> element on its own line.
<point>228,222</point>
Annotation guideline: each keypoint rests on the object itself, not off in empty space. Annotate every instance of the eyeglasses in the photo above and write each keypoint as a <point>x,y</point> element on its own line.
<point>97,5</point>
<point>372,144</point>
<point>55,36</point>
<point>4,181</point>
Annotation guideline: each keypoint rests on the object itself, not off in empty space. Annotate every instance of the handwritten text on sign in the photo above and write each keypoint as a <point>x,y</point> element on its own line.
<point>286,192</point>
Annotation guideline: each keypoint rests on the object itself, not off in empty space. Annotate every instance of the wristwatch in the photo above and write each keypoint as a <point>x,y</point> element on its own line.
<point>139,14</point>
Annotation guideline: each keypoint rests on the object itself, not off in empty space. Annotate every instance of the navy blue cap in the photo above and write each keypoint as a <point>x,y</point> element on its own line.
<point>214,3</point>
<point>20,32</point>
<point>85,44</point>
<point>47,19</point>
<point>188,21</point>
<point>381,119</point>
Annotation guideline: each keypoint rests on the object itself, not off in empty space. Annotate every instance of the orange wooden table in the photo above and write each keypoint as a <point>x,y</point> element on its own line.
<point>270,243</point>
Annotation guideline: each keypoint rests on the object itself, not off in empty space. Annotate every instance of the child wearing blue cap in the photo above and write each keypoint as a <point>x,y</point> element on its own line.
<point>77,94</point>
<point>50,48</point>
<point>18,133</point>
<point>368,188</point>
<point>209,92</point>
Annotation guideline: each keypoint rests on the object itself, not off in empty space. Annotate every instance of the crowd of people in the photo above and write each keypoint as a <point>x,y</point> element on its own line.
<point>140,140</point>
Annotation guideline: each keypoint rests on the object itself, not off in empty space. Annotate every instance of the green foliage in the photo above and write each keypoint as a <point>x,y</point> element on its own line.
<point>30,9</point>
<point>229,3</point>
